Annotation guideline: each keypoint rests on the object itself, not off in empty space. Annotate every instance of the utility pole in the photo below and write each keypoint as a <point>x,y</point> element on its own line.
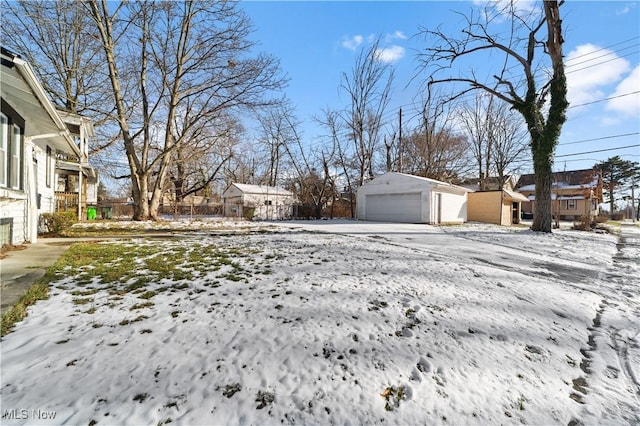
<point>400,140</point>
<point>633,198</point>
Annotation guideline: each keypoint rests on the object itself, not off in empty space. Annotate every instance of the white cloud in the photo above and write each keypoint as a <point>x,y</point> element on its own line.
<point>503,7</point>
<point>352,43</point>
<point>627,103</point>
<point>627,8</point>
<point>397,35</point>
<point>390,54</point>
<point>590,70</point>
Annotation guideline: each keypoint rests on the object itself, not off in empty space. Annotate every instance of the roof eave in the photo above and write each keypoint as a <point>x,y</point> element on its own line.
<point>27,73</point>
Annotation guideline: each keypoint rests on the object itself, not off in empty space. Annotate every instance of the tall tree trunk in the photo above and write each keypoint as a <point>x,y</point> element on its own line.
<point>100,14</point>
<point>544,143</point>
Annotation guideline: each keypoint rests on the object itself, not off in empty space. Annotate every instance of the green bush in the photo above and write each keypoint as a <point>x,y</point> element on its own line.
<point>56,223</point>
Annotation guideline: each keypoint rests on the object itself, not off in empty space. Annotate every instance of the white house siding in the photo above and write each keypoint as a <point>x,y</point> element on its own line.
<point>453,208</point>
<point>397,197</point>
<point>47,194</point>
<point>12,219</point>
<point>264,202</point>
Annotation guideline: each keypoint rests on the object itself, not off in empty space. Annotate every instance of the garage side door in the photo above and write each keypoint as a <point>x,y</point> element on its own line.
<point>404,208</point>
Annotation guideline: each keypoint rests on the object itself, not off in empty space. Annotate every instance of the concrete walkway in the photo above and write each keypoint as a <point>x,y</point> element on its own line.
<point>21,268</point>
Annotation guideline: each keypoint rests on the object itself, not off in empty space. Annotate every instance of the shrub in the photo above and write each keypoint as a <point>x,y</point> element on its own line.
<point>56,223</point>
<point>601,218</point>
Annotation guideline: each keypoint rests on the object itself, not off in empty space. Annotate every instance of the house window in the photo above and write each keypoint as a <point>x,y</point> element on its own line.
<point>11,148</point>
<point>571,205</point>
<point>267,202</point>
<point>49,162</point>
<point>15,168</point>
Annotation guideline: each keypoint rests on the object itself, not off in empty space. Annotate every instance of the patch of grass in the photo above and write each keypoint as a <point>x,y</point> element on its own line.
<point>264,398</point>
<point>180,286</point>
<point>393,395</point>
<point>232,389</point>
<point>141,397</point>
<point>147,294</point>
<point>115,267</point>
<point>38,291</point>
<point>84,292</point>
<point>141,306</point>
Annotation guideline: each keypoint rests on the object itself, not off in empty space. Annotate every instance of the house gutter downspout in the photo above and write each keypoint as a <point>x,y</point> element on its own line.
<point>502,207</point>
<point>32,204</point>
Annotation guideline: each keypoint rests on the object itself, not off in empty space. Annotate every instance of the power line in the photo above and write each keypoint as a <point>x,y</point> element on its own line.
<point>600,63</point>
<point>604,48</point>
<point>605,99</point>
<point>600,138</point>
<point>609,53</point>
<point>598,150</point>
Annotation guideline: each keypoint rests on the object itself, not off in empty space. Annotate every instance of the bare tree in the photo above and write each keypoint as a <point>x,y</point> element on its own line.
<point>56,37</point>
<point>343,182</point>
<point>496,136</point>
<point>434,149</point>
<point>175,59</point>
<point>312,181</point>
<point>475,118</point>
<point>508,141</point>
<point>279,128</point>
<point>368,88</point>
<point>202,160</point>
<point>543,107</point>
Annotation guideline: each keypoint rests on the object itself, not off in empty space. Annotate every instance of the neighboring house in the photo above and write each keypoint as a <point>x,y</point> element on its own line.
<point>257,202</point>
<point>574,193</point>
<point>77,181</point>
<point>494,204</point>
<point>33,135</point>
<point>501,207</point>
<point>398,197</point>
<point>491,183</point>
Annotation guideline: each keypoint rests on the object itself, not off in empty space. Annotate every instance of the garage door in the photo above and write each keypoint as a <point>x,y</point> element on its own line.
<point>405,208</point>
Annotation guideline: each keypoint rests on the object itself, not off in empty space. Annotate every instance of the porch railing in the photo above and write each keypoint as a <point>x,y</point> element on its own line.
<point>66,201</point>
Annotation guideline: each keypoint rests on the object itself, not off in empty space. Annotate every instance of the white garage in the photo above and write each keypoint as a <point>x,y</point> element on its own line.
<point>398,197</point>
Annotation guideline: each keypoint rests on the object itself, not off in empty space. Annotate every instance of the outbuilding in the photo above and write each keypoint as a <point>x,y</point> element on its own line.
<point>403,198</point>
<point>500,207</point>
<point>257,202</point>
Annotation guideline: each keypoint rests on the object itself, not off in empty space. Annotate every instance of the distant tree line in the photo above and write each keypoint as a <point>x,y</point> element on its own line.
<point>168,85</point>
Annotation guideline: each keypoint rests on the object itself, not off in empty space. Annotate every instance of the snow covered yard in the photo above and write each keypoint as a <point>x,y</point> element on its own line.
<point>335,323</point>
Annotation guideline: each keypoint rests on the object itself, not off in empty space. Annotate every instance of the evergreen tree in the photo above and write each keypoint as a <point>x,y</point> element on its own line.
<point>616,173</point>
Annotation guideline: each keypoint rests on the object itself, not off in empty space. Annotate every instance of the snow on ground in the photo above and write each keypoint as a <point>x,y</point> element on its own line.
<point>343,322</point>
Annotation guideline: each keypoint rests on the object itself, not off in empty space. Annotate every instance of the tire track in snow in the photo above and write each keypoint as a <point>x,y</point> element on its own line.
<point>616,327</point>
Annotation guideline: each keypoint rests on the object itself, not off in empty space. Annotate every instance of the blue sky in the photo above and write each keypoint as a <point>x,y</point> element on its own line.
<point>317,41</point>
